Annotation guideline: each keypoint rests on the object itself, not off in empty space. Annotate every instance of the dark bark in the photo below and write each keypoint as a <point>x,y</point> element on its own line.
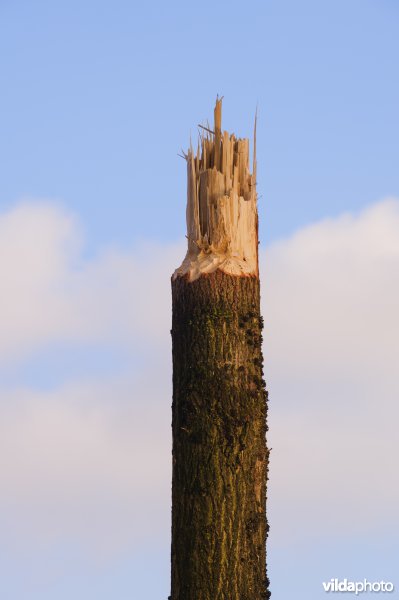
<point>220,458</point>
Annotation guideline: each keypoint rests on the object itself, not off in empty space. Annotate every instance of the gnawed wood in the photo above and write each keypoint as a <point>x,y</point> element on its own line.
<point>222,219</point>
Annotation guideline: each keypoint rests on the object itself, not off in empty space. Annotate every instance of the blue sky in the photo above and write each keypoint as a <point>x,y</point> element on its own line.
<point>97,100</point>
<point>95,94</point>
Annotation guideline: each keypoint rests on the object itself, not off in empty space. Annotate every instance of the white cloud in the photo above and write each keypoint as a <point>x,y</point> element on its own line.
<point>85,463</point>
<point>36,242</point>
<point>91,460</point>
<point>331,355</point>
<point>88,460</point>
<point>50,294</point>
<point>332,289</point>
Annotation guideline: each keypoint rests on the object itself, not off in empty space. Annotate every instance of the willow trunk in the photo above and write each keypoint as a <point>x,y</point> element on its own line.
<point>220,457</point>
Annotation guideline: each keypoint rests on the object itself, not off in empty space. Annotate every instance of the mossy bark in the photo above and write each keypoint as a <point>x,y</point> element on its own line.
<point>220,458</point>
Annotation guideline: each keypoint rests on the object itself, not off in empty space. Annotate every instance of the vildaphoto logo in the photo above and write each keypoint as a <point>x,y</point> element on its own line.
<point>357,587</point>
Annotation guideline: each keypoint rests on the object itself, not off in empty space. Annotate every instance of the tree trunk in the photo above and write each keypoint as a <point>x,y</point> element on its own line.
<point>220,458</point>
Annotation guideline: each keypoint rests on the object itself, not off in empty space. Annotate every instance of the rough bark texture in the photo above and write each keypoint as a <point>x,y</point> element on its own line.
<point>220,458</point>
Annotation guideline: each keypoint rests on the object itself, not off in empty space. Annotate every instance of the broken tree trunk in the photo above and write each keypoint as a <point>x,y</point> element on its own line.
<point>220,458</point>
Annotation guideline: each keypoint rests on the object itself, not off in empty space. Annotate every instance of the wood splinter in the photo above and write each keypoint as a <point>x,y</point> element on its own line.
<point>222,221</point>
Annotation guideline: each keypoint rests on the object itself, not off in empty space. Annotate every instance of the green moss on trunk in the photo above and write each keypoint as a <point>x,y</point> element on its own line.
<point>220,458</point>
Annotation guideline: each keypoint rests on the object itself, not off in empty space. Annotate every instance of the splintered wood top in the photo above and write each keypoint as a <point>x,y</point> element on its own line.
<point>222,218</point>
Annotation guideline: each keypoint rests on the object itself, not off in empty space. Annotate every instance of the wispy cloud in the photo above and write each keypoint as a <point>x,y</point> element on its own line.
<point>51,294</point>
